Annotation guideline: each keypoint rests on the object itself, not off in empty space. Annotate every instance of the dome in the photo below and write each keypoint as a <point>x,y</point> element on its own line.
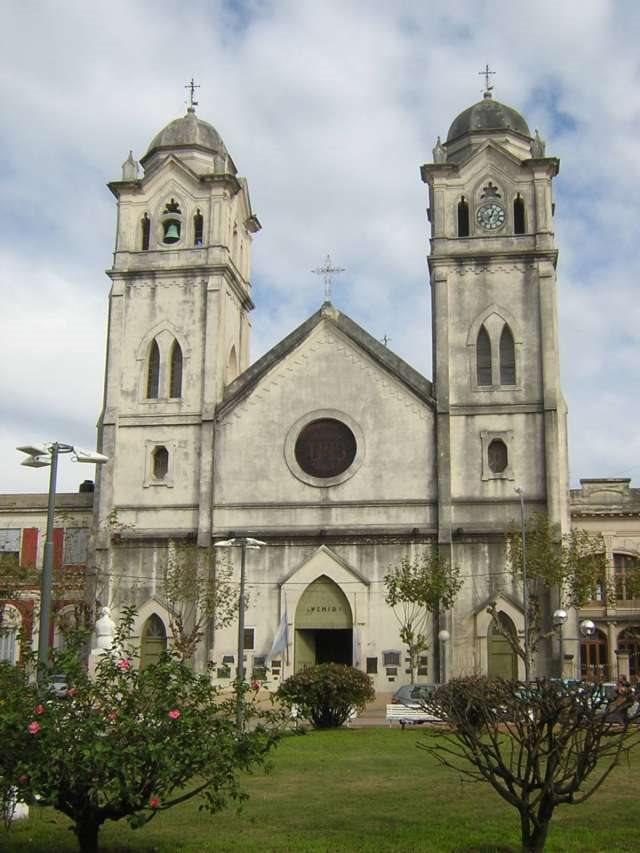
<point>188,131</point>
<point>488,115</point>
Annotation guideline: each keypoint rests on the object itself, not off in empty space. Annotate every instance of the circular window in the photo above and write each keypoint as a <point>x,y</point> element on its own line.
<point>325,448</point>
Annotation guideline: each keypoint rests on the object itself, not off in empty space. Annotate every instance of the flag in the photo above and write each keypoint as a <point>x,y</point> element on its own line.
<point>281,640</point>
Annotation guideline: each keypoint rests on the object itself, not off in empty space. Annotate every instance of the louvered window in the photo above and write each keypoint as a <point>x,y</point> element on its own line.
<point>507,358</point>
<point>483,357</point>
<point>153,372</point>
<point>176,371</point>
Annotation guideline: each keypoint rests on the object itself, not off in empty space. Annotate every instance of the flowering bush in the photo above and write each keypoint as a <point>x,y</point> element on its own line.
<point>327,694</point>
<point>128,743</point>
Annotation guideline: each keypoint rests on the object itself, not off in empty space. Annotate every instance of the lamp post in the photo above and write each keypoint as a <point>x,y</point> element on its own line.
<point>560,617</point>
<point>444,637</point>
<point>244,543</point>
<point>525,591</point>
<point>39,456</point>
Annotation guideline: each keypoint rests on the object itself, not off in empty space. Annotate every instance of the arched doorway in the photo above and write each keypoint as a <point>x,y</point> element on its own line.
<point>153,642</point>
<point>594,658</point>
<point>502,660</point>
<point>629,641</point>
<point>323,626</point>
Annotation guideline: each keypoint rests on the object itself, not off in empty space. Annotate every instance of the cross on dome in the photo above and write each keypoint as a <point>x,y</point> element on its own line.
<point>487,88</point>
<point>191,102</point>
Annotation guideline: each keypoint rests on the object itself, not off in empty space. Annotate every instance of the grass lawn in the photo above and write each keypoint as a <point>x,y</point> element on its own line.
<point>363,790</point>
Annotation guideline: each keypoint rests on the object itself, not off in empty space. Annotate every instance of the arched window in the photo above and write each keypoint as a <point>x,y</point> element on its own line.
<point>463,218</point>
<point>629,641</point>
<point>594,659</point>
<point>518,215</point>
<point>507,358</point>
<point>198,229</point>
<point>497,456</point>
<point>175,383</point>
<point>483,357</point>
<point>160,456</point>
<point>626,570</point>
<point>153,371</point>
<point>9,634</point>
<point>502,659</point>
<point>153,641</point>
<point>145,230</point>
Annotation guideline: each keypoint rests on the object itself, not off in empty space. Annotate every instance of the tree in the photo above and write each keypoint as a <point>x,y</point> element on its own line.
<point>128,744</point>
<point>538,746</point>
<point>327,694</point>
<point>416,589</point>
<point>573,563</point>
<point>197,588</point>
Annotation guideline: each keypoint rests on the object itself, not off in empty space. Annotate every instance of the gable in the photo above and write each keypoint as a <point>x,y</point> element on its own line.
<point>325,376</point>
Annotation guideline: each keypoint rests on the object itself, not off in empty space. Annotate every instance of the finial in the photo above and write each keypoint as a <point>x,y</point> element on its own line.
<point>385,339</point>
<point>487,88</point>
<point>327,271</point>
<point>191,103</point>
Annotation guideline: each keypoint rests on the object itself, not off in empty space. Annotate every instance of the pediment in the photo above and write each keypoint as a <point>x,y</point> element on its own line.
<point>490,154</point>
<point>326,562</point>
<point>329,331</point>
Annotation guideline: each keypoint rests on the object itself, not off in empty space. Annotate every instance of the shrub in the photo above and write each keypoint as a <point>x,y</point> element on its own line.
<point>327,694</point>
<point>126,744</point>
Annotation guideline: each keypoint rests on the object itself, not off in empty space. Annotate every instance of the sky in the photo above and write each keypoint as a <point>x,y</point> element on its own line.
<point>328,107</point>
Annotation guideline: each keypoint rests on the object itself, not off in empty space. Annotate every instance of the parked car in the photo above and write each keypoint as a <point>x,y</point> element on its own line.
<point>58,686</point>
<point>412,695</point>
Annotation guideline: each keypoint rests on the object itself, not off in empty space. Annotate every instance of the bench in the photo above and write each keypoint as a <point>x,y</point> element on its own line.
<point>406,715</point>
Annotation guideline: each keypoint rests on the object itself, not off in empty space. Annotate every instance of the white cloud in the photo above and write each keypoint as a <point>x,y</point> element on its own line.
<point>328,109</point>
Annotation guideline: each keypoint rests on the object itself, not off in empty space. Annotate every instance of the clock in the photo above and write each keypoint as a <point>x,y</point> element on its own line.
<point>490,216</point>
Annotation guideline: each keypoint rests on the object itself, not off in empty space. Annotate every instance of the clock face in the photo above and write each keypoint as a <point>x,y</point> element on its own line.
<point>490,216</point>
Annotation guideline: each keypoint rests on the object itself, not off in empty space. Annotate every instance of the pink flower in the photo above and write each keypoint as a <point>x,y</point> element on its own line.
<point>154,802</point>
<point>71,692</point>
<point>175,714</point>
<point>123,664</point>
<point>33,728</point>
<point>23,779</point>
<point>39,709</point>
<point>112,715</point>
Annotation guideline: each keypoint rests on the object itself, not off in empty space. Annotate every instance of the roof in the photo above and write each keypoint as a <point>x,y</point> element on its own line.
<point>187,132</point>
<point>402,371</point>
<point>488,114</point>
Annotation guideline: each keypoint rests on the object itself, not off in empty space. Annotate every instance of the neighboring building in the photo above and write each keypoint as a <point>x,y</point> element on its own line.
<point>331,449</point>
<point>612,508</point>
<point>23,522</point>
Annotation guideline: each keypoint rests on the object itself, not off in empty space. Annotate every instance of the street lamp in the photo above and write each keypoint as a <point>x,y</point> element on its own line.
<point>245,543</point>
<point>560,617</point>
<point>525,591</point>
<point>39,456</point>
<point>587,628</point>
<point>444,637</point>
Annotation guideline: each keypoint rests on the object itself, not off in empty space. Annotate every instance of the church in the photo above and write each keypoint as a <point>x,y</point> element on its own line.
<point>339,457</point>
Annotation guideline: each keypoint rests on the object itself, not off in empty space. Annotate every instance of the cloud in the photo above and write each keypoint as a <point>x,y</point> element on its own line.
<point>328,109</point>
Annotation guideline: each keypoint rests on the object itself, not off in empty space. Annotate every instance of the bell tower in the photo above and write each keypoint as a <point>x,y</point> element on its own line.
<point>501,417</point>
<point>178,327</point>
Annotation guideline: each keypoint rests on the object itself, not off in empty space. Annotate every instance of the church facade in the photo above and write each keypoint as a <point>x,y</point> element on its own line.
<point>331,450</point>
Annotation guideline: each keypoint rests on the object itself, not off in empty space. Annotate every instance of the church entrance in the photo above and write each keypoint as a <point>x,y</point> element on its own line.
<point>323,626</point>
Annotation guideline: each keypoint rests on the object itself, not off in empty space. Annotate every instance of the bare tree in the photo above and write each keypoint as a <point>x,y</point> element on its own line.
<point>538,746</point>
<point>574,563</point>
<point>197,587</point>
<point>417,589</point>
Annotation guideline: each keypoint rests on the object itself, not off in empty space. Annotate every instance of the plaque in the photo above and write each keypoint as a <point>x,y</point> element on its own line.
<point>325,448</point>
